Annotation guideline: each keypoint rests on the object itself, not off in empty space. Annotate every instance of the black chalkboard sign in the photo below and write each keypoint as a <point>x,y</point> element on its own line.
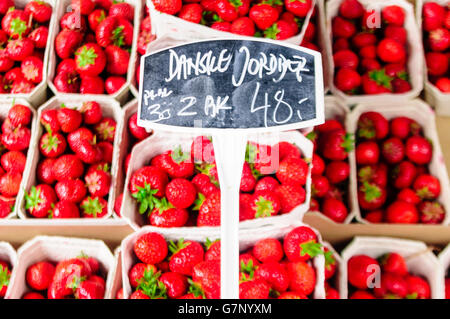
<point>231,84</point>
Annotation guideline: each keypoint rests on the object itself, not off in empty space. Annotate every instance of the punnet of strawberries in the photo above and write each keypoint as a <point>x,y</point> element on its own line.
<point>76,152</point>
<point>394,182</point>
<point>135,135</point>
<point>93,47</point>
<point>75,278</point>
<point>331,170</point>
<point>5,275</point>
<point>179,188</point>
<point>182,269</point>
<point>331,277</point>
<point>274,19</point>
<point>280,269</point>
<point>23,39</point>
<point>370,59</point>
<point>15,140</point>
<point>386,277</point>
<point>436,37</point>
<point>273,180</point>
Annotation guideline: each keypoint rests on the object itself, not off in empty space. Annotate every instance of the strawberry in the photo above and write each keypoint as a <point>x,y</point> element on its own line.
<point>402,213</point>
<point>431,212</point>
<point>166,216</point>
<point>92,112</point>
<point>95,17</point>
<point>192,12</point>
<point>280,30</point>
<point>301,244</point>
<point>176,284</point>
<point>292,295</point>
<point>16,23</point>
<point>336,144</point>
<point>364,39</point>
<point>52,145</point>
<point>71,190</point>
<point>320,186</point>
<point>68,119</point>
<point>303,277</point>
<point>85,7</point>
<point>185,255</point>
<point>221,26</point>
<point>5,275</point>
<point>391,51</point>
<point>337,172</point>
<point>345,59</point>
<point>203,184</point>
<point>118,205</point>
<point>351,9</point>
<point>418,288</point>
<point>404,174</point>
<point>67,167</point>
<point>98,183</point>
<point>264,15</point>
<point>268,250</point>
<point>19,115</point>
<point>39,202</point>
<point>40,275</point>
<point>20,49</point>
<point>374,217</point>
<point>94,207</point>
<point>433,16</point>
<point>92,85</point>
<point>342,28</point>
<point>267,183</point>
<point>106,129</point>
<point>33,295</point>
<point>122,10</point>
<point>90,59</point>
<point>437,63</point>
<point>17,140</point>
<point>67,42</point>
<point>114,83</point>
<point>151,248</point>
<point>254,289</point>
<point>117,60</point>
<point>347,80</point>
<point>45,171</point>
<point>176,163</point>
<point>73,21</point>
<point>181,193</point>
<point>206,275</point>
<point>394,263</point>
<point>169,7</point>
<point>67,82</point>
<point>372,125</point>
<point>409,196</point>
<point>419,150</point>
<point>243,26</point>
<point>367,153</point>
<point>439,40</point>
<point>427,186</point>
<point>10,184</point>
<point>443,84</point>
<point>65,209</point>
<point>318,165</point>
<point>335,210</point>
<point>265,204</point>
<point>274,274</point>
<point>391,286</point>
<point>137,273</point>
<point>371,196</point>
<point>299,8</point>
<point>213,250</point>
<point>331,293</point>
<point>32,69</point>
<point>360,294</point>
<point>376,174</point>
<point>40,10</point>
<point>89,289</point>
<point>209,214</point>
<point>13,161</point>
<point>393,15</point>
<point>114,30</point>
<point>360,269</point>
<point>401,127</point>
<point>293,171</point>
<point>393,150</point>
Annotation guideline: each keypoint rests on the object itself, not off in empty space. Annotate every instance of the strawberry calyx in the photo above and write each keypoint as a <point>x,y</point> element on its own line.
<point>348,143</point>
<point>178,156</point>
<point>175,248</point>
<point>236,3</point>
<point>391,296</point>
<point>366,129</point>
<point>263,207</point>
<point>4,276</point>
<point>247,271</point>
<point>424,192</point>
<point>150,285</point>
<point>311,248</point>
<point>272,31</point>
<point>274,293</point>
<point>381,78</point>
<point>50,212</point>
<point>76,281</point>
<point>312,136</point>
<point>413,295</point>
<point>162,205</point>
<point>51,142</point>
<point>18,27</point>
<point>365,173</point>
<point>106,131</point>
<point>86,57</point>
<point>329,259</point>
<point>199,202</point>
<point>209,243</point>
<point>145,196</point>
<point>118,37</point>
<point>33,199</point>
<point>92,207</point>
<point>273,2</point>
<point>371,192</point>
<point>206,169</point>
<point>195,289</point>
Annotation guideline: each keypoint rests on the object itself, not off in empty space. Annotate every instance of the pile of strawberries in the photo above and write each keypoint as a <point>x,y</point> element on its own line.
<point>331,280</point>
<point>77,145</point>
<point>370,59</point>
<point>23,39</point>
<point>271,269</point>
<point>274,19</point>
<point>5,275</point>
<point>135,134</point>
<point>176,185</point>
<point>385,278</point>
<point>436,28</point>
<point>330,171</point>
<point>145,37</point>
<point>94,47</point>
<point>78,278</point>
<point>268,189</point>
<point>397,152</point>
<point>189,271</point>
<point>15,139</point>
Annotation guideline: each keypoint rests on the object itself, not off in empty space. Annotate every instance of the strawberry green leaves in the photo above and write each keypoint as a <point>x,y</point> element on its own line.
<point>86,57</point>
<point>4,276</point>
<point>145,196</point>
<point>18,27</point>
<point>150,285</point>
<point>311,248</point>
<point>33,199</point>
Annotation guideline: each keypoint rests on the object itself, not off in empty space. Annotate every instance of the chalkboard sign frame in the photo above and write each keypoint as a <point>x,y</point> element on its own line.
<point>319,94</point>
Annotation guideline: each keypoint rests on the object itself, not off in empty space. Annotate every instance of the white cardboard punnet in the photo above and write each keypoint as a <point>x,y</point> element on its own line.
<point>122,95</point>
<point>110,108</point>
<point>415,51</point>
<point>419,259</point>
<point>56,249</point>
<point>422,114</point>
<point>434,96</point>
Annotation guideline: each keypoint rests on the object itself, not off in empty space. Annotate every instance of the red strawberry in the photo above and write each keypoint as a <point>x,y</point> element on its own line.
<point>318,165</point>
<point>264,15</point>
<point>192,12</point>
<point>40,275</point>
<point>274,274</point>
<point>396,33</point>
<point>209,214</point>
<point>427,186</point>
<point>207,275</point>
<point>221,26</point>
<point>360,294</point>
<point>137,131</point>
<point>439,40</point>
<point>336,144</point>
<point>118,205</point>
<point>301,244</point>
<point>67,167</point>
<point>45,171</point>
<point>203,184</point>
<point>243,26</point>
<point>114,83</point>
<point>372,125</point>
<point>16,23</point>
<point>94,207</point>
<point>69,119</point>
<point>292,295</point>
<point>303,277</point>
<point>360,269</point>
<point>176,284</point>
<point>393,15</point>
<point>19,115</point>
<point>342,28</point>
<point>402,213</point>
<point>293,171</point>
<point>391,51</point>
<point>95,17</point>
<point>65,209</point>
<point>106,129</point>
<point>122,10</point>
<point>90,59</point>
<point>71,190</point>
<point>185,255</point>
<point>254,289</point>
<point>265,204</point>
<point>367,153</point>
<point>98,183</point>
<point>319,186</point>
<point>169,7</point>
<point>92,85</point>
<point>371,196</point>
<point>248,181</point>
<point>166,216</point>
<point>298,7</point>
<point>351,9</point>
<point>376,174</point>
<point>92,112</point>
<point>89,289</point>
<point>213,250</point>
<point>151,248</point>
<point>13,161</point>
<point>39,202</point>
<point>391,286</point>
<point>290,197</point>
<point>280,30</point>
<point>67,82</point>
<point>419,150</point>
<point>137,273</point>
<point>341,44</point>
<point>114,30</point>
<point>85,7</point>
<point>52,145</point>
<point>364,39</point>
<point>433,16</point>
<point>117,60</point>
<point>431,212</point>
<point>347,80</point>
<point>418,287</point>
<point>443,84</point>
<point>409,196</point>
<point>393,150</point>
<point>67,42</point>
<point>404,174</point>
<point>267,183</point>
<point>337,172</point>
<point>17,140</point>
<point>346,59</point>
<point>176,163</point>
<point>181,193</point>
<point>73,21</point>
<point>10,184</point>
<point>400,127</point>
<point>335,210</point>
